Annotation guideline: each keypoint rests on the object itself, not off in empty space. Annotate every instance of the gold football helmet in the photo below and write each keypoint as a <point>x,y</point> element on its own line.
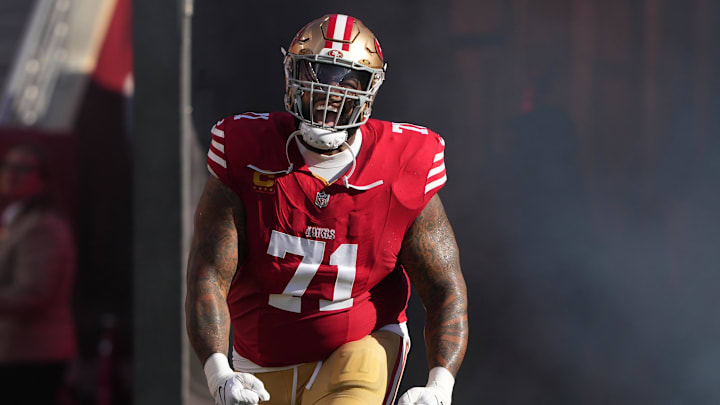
<point>333,69</point>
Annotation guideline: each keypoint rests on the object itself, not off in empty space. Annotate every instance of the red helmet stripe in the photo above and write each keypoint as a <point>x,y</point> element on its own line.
<point>339,30</point>
<point>331,30</point>
<point>348,32</point>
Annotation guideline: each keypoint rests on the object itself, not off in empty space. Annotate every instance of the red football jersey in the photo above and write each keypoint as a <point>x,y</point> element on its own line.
<point>321,267</point>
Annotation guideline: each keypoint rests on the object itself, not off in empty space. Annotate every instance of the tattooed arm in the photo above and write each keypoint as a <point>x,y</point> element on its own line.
<point>430,256</point>
<point>218,237</point>
<point>218,243</point>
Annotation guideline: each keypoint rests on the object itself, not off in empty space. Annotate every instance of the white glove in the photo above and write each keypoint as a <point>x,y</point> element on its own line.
<point>438,390</point>
<point>231,388</point>
<point>241,389</point>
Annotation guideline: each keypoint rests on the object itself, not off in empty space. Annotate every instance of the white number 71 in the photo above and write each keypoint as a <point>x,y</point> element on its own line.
<point>312,252</point>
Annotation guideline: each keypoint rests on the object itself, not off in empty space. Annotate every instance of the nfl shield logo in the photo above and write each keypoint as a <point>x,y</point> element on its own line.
<point>321,199</point>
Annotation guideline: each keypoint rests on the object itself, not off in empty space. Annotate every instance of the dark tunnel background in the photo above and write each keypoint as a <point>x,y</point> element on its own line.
<point>583,164</point>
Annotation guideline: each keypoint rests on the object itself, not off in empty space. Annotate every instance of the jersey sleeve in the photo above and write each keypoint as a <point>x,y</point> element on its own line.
<point>250,138</point>
<point>421,165</point>
<point>217,157</point>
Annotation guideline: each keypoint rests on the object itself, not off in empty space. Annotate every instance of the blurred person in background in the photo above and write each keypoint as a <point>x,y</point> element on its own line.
<point>37,267</point>
<point>307,235</point>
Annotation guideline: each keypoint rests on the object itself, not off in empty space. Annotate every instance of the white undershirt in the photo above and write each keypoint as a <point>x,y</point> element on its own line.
<point>330,167</point>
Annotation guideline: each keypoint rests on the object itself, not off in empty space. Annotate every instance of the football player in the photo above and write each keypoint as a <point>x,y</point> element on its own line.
<point>308,233</point>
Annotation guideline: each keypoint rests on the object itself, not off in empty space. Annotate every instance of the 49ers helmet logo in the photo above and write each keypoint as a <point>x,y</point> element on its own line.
<point>335,53</point>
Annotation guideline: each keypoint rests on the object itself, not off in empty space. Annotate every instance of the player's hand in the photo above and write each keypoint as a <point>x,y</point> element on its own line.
<point>424,396</point>
<point>241,389</point>
<point>438,390</point>
<point>232,388</point>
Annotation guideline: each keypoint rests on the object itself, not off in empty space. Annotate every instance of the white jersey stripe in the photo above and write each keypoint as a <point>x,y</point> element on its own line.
<point>220,147</point>
<point>217,132</point>
<point>436,170</point>
<point>435,184</point>
<point>217,159</point>
<point>439,156</point>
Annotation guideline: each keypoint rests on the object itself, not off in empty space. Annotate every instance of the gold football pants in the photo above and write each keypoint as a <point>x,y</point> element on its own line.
<point>364,372</point>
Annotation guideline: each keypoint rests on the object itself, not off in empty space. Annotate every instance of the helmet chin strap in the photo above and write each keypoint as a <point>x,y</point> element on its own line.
<point>322,139</point>
<point>346,178</point>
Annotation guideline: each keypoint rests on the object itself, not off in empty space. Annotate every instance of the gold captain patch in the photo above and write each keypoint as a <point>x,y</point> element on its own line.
<point>263,183</point>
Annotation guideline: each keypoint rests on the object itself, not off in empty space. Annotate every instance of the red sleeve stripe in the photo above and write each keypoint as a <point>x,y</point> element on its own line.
<point>437,175</point>
<point>217,159</point>
<point>217,132</point>
<point>435,184</point>
<point>348,32</point>
<point>217,145</point>
<point>212,171</point>
<point>216,153</point>
<point>331,30</point>
<point>436,170</point>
